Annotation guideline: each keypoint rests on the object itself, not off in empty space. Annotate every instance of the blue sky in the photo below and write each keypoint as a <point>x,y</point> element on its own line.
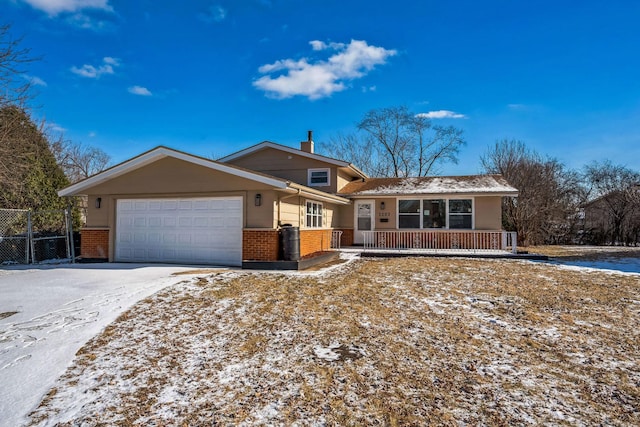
<point>213,77</point>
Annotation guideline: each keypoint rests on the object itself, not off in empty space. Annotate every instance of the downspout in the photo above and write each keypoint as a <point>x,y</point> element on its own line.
<point>280,199</point>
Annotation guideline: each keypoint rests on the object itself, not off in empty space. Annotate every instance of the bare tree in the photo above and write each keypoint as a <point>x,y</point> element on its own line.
<point>349,147</point>
<point>393,141</point>
<point>14,91</point>
<point>78,161</point>
<point>549,195</point>
<point>388,129</point>
<point>14,87</point>
<point>614,208</point>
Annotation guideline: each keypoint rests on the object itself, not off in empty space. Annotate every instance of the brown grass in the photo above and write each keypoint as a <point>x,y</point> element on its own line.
<point>6,314</point>
<point>558,251</point>
<point>444,342</point>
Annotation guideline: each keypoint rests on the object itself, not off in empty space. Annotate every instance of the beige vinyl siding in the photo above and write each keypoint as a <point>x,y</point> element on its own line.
<point>343,178</point>
<point>263,216</point>
<point>344,216</point>
<point>290,211</point>
<point>389,213</point>
<point>172,177</point>
<point>287,166</point>
<point>488,213</point>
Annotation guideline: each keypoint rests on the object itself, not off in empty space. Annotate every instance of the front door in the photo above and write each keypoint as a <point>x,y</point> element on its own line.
<point>364,220</point>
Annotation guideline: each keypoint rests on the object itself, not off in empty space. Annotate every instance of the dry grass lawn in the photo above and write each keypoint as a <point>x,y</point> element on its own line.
<point>405,341</point>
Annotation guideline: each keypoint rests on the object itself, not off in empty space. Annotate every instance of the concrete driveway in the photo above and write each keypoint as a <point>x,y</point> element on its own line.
<point>47,313</point>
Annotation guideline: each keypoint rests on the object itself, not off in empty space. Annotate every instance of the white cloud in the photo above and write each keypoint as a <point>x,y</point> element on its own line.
<point>54,7</point>
<point>442,114</point>
<point>92,134</point>
<point>317,45</point>
<point>215,13</point>
<point>320,78</point>
<point>92,72</point>
<point>56,128</point>
<point>36,81</point>
<point>139,90</point>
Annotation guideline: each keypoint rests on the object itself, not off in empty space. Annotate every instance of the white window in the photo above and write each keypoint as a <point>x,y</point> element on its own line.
<point>460,213</point>
<point>318,177</point>
<point>314,214</point>
<point>433,213</point>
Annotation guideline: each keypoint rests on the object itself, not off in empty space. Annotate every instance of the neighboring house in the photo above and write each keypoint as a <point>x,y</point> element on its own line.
<point>169,206</point>
<point>613,218</point>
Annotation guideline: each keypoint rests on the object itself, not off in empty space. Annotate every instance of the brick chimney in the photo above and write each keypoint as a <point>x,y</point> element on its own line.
<point>307,146</point>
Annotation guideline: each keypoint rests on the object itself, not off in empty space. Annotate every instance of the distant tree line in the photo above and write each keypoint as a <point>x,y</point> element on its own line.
<point>598,205</point>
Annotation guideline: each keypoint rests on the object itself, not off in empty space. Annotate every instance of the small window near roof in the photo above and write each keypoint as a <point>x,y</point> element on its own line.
<point>318,177</point>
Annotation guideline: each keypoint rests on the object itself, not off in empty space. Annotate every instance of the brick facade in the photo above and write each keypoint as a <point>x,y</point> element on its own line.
<point>94,243</point>
<point>312,241</point>
<point>347,236</point>
<point>260,245</point>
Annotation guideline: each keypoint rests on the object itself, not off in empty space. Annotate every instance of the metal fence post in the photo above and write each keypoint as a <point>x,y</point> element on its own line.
<point>70,240</point>
<point>30,239</point>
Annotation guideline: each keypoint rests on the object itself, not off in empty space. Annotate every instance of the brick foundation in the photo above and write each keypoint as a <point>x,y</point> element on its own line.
<point>260,245</point>
<point>347,236</point>
<point>94,243</point>
<point>312,241</point>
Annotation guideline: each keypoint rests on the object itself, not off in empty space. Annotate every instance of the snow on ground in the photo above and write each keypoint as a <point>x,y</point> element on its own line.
<point>386,341</point>
<point>47,313</point>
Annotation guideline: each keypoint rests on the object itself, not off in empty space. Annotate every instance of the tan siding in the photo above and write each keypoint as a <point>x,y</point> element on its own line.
<point>344,217</point>
<point>286,165</point>
<point>263,216</point>
<point>389,213</point>
<point>290,211</point>
<point>343,178</point>
<point>171,175</point>
<point>488,214</point>
<point>98,217</point>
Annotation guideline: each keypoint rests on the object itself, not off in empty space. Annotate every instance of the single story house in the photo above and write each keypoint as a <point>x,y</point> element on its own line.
<point>169,206</point>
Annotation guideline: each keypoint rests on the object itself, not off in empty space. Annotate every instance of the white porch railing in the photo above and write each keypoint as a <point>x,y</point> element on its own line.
<point>336,235</point>
<point>441,240</point>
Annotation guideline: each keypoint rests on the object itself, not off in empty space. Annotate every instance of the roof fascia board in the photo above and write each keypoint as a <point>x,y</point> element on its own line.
<point>160,153</point>
<point>319,194</point>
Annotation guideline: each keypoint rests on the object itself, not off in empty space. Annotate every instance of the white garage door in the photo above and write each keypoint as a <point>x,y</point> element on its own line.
<point>194,230</point>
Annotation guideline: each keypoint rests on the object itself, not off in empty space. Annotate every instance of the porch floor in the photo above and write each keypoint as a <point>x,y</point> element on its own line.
<point>467,253</point>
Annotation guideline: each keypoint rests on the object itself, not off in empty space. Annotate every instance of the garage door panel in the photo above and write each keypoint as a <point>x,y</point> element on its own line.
<point>198,230</point>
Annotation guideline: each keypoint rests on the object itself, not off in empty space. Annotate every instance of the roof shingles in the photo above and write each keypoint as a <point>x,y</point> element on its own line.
<point>472,184</point>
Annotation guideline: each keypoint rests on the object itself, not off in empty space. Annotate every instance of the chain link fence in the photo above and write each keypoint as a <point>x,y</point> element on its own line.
<point>14,236</point>
<point>35,236</point>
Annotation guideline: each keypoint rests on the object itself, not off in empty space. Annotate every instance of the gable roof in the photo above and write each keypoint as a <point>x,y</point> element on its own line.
<point>275,146</point>
<point>471,184</point>
<point>163,152</point>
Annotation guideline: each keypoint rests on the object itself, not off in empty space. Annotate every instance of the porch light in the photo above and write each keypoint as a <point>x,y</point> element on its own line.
<point>258,199</point>
<point>382,206</point>
<point>98,202</point>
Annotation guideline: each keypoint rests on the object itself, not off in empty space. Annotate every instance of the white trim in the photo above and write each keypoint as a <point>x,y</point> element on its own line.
<point>312,170</point>
<point>358,237</point>
<point>321,215</point>
<point>158,154</point>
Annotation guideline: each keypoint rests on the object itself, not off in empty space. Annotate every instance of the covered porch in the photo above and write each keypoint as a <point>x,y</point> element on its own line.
<point>451,242</point>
